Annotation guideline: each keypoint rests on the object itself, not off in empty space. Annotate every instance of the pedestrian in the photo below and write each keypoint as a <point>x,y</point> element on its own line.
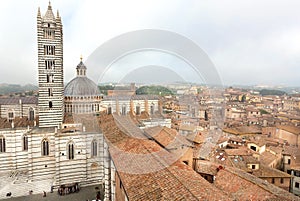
<point>44,194</point>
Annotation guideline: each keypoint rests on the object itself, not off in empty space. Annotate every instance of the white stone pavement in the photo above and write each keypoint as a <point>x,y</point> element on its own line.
<point>18,184</point>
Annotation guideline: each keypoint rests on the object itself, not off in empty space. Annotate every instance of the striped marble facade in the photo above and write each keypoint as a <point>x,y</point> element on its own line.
<point>50,69</point>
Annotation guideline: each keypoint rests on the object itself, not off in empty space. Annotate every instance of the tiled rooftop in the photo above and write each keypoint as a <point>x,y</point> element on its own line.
<point>143,167</point>
<point>242,151</point>
<point>155,180</point>
<point>244,186</point>
<point>265,171</point>
<point>290,128</point>
<point>267,157</point>
<point>244,130</point>
<point>169,138</point>
<point>18,122</point>
<point>16,100</point>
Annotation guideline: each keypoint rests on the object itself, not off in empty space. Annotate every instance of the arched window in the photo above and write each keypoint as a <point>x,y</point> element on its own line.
<point>50,78</point>
<point>45,147</point>
<point>50,91</point>
<point>10,115</point>
<point>123,109</point>
<point>152,109</point>
<point>109,110</point>
<point>2,144</point>
<point>25,142</point>
<point>138,109</point>
<point>31,114</point>
<point>50,104</point>
<point>70,151</point>
<point>94,148</point>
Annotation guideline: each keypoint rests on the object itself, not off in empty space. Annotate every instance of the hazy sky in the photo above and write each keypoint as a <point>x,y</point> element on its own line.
<point>249,41</point>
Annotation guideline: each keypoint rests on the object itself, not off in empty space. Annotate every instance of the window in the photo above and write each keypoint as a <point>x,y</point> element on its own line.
<point>50,104</point>
<point>296,173</point>
<point>253,167</point>
<point>289,161</point>
<point>70,151</point>
<point>273,180</point>
<point>253,148</point>
<point>45,147</point>
<point>289,171</point>
<point>296,185</point>
<point>49,50</point>
<point>109,111</point>
<point>31,114</point>
<point>124,110</point>
<point>137,110</point>
<point>205,115</point>
<point>2,144</point>
<point>48,33</point>
<point>50,92</point>
<point>25,142</point>
<point>152,109</point>
<point>50,78</point>
<point>281,180</point>
<point>94,148</point>
<point>49,64</point>
<point>10,115</point>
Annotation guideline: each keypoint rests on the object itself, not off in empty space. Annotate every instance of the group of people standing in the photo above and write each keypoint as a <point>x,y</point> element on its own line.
<point>67,189</point>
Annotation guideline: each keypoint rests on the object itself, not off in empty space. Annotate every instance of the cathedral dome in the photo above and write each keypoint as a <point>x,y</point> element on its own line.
<point>81,85</point>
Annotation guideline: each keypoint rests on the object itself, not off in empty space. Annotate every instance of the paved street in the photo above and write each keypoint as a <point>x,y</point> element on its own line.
<point>84,194</point>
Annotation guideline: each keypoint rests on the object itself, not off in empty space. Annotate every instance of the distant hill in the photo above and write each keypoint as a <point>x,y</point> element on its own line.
<point>154,90</point>
<point>16,88</point>
<point>266,92</point>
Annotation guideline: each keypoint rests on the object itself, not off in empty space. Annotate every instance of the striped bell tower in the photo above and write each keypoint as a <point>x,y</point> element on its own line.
<point>50,69</point>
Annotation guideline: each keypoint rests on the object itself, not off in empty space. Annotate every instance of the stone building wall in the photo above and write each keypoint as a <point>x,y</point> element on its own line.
<point>84,168</point>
